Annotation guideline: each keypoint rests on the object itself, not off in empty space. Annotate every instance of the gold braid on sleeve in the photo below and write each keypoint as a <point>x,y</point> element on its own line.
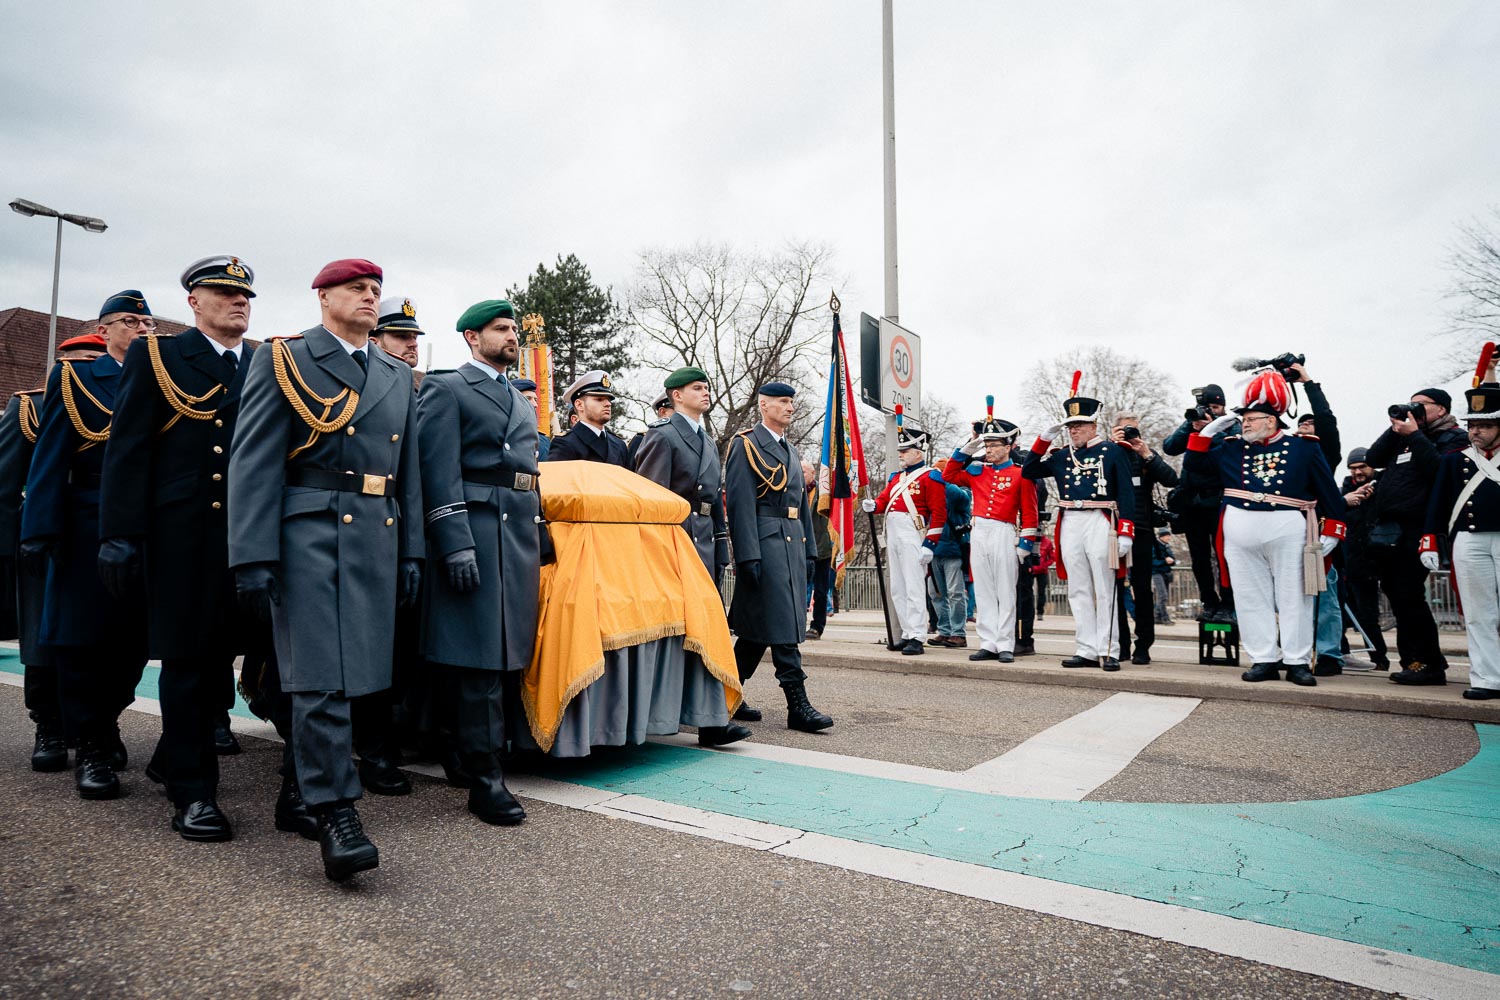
<point>763,470</point>
<point>285,368</point>
<point>28,419</point>
<point>70,382</point>
<point>176,398</point>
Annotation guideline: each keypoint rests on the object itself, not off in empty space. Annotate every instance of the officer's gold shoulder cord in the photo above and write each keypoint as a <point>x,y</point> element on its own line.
<point>69,383</point>
<point>285,368</point>
<point>763,470</point>
<point>176,398</point>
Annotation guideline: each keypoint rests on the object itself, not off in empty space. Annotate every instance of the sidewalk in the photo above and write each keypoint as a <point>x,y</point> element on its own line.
<point>856,639</point>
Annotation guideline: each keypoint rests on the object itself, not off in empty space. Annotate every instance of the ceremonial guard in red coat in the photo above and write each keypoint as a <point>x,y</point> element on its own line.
<point>1465,510</point>
<point>915,506</point>
<point>1004,531</point>
<point>1095,524</point>
<point>1275,486</point>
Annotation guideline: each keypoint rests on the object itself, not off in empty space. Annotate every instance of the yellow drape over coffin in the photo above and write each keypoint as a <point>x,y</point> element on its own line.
<point>626,574</point>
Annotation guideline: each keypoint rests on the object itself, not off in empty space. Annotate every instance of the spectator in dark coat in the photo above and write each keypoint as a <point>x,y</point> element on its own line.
<point>1361,587</point>
<point>1147,471</point>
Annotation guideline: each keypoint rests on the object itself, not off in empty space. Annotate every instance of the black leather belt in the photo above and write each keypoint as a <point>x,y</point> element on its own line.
<point>785,513</point>
<point>502,478</point>
<point>346,482</point>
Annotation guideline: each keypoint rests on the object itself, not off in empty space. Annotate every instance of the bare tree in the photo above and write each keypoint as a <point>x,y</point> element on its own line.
<point>1474,295</point>
<point>745,318</point>
<point>1122,383</point>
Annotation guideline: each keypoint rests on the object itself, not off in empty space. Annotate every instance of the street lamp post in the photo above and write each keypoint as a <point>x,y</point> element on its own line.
<point>87,222</point>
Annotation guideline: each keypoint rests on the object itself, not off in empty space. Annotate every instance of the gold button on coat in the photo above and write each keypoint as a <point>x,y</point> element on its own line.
<point>390,521</point>
<point>218,449</point>
<point>218,476</point>
<point>217,505</point>
<point>349,430</point>
<point>218,423</point>
<point>395,437</point>
<point>348,518</point>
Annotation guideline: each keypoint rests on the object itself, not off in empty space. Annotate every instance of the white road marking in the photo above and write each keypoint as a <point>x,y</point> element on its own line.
<point>1342,961</point>
<point>1076,756</point>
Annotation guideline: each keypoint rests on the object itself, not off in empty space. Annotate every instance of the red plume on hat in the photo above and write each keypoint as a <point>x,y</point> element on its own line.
<point>1267,393</point>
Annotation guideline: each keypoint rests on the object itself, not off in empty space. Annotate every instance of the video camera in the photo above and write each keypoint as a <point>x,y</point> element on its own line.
<point>1400,411</point>
<point>1282,363</point>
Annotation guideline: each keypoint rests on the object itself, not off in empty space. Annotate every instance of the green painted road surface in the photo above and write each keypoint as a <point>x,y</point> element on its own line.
<point>1414,869</point>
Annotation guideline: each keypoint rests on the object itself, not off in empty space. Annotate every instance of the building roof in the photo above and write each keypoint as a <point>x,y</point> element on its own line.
<point>23,345</point>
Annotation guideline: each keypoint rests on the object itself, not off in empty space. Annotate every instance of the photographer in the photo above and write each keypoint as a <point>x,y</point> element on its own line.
<point>1420,433</point>
<point>1361,587</point>
<point>1321,426</point>
<point>1198,500</point>
<point>1147,470</point>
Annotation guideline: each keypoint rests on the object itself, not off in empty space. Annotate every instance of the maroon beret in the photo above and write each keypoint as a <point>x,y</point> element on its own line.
<point>341,271</point>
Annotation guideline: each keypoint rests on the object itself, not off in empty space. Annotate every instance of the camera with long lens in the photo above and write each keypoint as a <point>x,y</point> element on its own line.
<point>1197,413</point>
<point>1131,433</point>
<point>1400,411</point>
<point>1282,363</point>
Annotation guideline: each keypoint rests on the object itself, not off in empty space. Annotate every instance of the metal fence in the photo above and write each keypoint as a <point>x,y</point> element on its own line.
<point>861,592</point>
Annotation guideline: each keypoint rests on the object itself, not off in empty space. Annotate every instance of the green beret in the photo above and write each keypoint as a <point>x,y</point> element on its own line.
<point>684,376</point>
<point>480,313</point>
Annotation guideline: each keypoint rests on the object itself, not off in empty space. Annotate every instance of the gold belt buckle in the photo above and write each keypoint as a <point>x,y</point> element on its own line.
<point>705,509</point>
<point>374,486</point>
<point>523,480</point>
<point>1258,497</point>
<point>1078,505</point>
<point>791,513</point>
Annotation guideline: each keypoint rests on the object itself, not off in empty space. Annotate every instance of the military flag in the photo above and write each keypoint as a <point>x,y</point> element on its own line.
<point>842,475</point>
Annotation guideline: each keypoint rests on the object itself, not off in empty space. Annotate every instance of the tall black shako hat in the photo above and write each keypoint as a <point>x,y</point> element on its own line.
<point>1484,397</point>
<point>993,429</point>
<point>907,437</point>
<point>1080,409</point>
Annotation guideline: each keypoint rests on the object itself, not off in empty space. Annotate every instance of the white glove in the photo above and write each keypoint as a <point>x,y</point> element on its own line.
<point>925,557</point>
<point>867,505</point>
<point>1051,433</point>
<point>1431,561</point>
<point>1022,552</point>
<point>1127,545</point>
<point>973,448</point>
<point>1329,544</point>
<point>1217,424</point>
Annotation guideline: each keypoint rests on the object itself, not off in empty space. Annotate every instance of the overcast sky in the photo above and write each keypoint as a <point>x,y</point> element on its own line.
<point>1185,181</point>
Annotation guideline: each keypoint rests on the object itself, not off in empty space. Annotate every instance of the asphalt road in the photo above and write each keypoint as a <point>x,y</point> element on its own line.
<point>100,899</point>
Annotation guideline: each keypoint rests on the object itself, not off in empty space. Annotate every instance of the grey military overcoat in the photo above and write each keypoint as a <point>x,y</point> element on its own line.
<point>473,428</point>
<point>337,552</point>
<point>675,454</point>
<point>774,611</point>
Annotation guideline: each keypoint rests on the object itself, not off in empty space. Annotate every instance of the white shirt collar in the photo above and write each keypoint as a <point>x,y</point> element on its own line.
<point>486,367</point>
<point>597,430</point>
<point>237,350</point>
<point>349,348</point>
<point>696,423</point>
<point>779,437</point>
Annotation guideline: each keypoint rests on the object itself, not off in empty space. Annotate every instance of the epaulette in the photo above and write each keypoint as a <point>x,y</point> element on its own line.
<point>935,476</point>
<point>442,371</point>
<point>745,432</point>
<point>285,336</point>
<point>893,476</point>
<point>975,468</point>
<point>660,423</point>
<point>28,392</point>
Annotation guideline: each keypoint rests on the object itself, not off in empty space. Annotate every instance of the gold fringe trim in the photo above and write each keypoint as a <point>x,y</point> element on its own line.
<point>651,633</point>
<point>734,694</point>
<point>545,738</point>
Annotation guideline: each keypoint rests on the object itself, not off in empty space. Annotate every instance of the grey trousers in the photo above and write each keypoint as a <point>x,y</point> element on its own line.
<point>323,748</point>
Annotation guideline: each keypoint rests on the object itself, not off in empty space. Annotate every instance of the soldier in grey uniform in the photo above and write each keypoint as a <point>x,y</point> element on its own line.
<point>326,536</point>
<point>677,453</point>
<point>662,410</point>
<point>484,522</point>
<point>774,554</point>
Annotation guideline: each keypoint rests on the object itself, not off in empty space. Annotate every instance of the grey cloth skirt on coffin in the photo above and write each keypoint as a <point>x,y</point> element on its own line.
<point>648,690</point>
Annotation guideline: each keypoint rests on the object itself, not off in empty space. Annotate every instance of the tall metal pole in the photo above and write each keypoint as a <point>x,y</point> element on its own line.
<point>52,322</point>
<point>888,141</point>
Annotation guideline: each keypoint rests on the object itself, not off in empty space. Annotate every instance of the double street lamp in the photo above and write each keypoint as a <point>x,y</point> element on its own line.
<point>88,222</point>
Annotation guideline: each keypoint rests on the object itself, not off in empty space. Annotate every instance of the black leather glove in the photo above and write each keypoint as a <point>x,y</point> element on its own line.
<point>721,552</point>
<point>463,570</point>
<point>36,553</point>
<point>750,570</point>
<point>549,553</point>
<point>255,586</point>
<point>812,569</point>
<point>409,586</point>
<point>120,566</point>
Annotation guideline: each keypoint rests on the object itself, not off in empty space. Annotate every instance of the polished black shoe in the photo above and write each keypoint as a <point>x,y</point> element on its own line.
<point>912,647</point>
<point>984,654</point>
<point>1481,694</point>
<point>50,752</point>
<point>492,802</point>
<point>801,715</point>
<point>95,775</point>
<point>1298,674</point>
<point>813,633</point>
<point>203,822</point>
<point>1262,672</point>
<point>1109,663</point>
<point>383,778</point>
<point>1327,666</point>
<point>291,812</point>
<point>1026,648</point>
<point>1006,656</point>
<point>1079,661</point>
<point>745,713</point>
<point>225,743</point>
<point>346,849</point>
<point>1140,658</point>
<point>718,736</point>
<point>1417,673</point>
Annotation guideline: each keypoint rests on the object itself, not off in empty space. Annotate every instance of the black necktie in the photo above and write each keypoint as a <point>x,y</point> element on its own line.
<point>232,362</point>
<point>364,362</point>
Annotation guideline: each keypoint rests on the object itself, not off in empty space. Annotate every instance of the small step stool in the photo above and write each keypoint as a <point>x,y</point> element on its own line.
<point>1221,637</point>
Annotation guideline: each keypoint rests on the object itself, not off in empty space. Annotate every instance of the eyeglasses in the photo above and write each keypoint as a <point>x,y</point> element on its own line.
<point>134,322</point>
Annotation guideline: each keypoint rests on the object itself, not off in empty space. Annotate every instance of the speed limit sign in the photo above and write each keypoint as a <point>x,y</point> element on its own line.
<point>900,370</point>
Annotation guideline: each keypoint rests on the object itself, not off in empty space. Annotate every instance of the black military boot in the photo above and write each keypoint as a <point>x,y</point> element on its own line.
<point>291,812</point>
<point>1298,674</point>
<point>346,849</point>
<point>718,736</point>
<point>1079,661</point>
<point>383,777</point>
<point>746,714</point>
<point>489,799</point>
<point>50,753</point>
<point>225,743</point>
<point>1328,666</point>
<point>1419,673</point>
<point>95,774</point>
<point>202,821</point>
<point>1026,647</point>
<point>799,711</point>
<point>1262,672</point>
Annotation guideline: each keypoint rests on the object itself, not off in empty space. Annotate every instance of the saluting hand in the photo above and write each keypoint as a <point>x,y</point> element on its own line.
<point>463,570</point>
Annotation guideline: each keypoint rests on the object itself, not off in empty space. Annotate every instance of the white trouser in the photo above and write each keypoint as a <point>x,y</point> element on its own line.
<point>1264,553</point>
<point>1086,538</point>
<point>1476,570</point>
<point>993,560</point>
<point>908,575</point>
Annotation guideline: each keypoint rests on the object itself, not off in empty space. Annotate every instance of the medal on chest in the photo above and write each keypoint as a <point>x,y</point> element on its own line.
<point>1266,467</point>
